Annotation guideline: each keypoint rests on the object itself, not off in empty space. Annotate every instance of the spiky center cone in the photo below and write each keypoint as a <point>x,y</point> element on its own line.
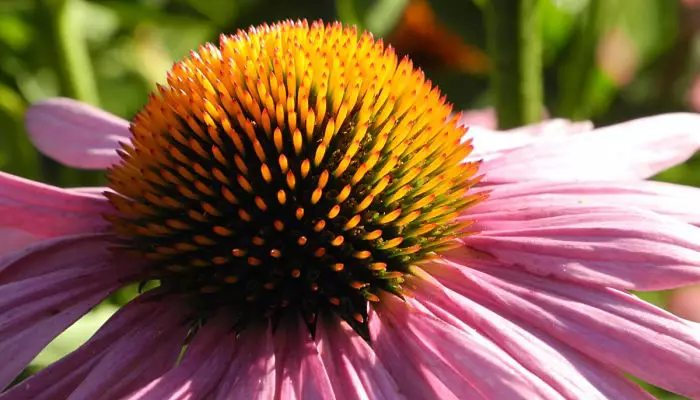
<point>293,167</point>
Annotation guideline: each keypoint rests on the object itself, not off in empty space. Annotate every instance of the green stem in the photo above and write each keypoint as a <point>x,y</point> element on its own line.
<point>70,60</point>
<point>515,48</point>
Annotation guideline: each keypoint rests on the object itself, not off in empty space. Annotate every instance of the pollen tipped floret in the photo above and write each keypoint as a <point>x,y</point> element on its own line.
<point>295,166</point>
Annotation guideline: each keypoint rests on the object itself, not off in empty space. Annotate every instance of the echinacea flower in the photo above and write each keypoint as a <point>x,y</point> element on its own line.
<point>319,228</point>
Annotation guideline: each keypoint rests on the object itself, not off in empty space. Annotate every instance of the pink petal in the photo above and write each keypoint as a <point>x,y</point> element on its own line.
<point>685,302</point>
<point>617,329</point>
<point>608,246</point>
<point>59,380</point>
<point>490,144</point>
<point>135,360</point>
<point>36,310</point>
<point>553,128</point>
<point>47,287</point>
<point>352,366</point>
<point>76,134</point>
<point>632,150</point>
<point>61,212</point>
<point>138,357</point>
<point>569,372</point>
<point>431,359</point>
<point>301,374</point>
<point>677,201</point>
<point>416,381</point>
<point>67,252</point>
<point>205,361</point>
<point>485,118</point>
<point>251,373</point>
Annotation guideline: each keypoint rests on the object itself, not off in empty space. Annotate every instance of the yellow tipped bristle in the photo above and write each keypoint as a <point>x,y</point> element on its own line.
<point>377,233</point>
<point>281,197</point>
<point>316,195</point>
<point>344,193</point>
<point>352,222</point>
<point>334,211</point>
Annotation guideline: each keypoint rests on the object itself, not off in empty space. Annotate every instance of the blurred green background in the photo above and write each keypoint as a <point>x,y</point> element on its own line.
<point>604,60</point>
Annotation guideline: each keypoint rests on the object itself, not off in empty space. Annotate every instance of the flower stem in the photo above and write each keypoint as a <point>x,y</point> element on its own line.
<point>71,60</point>
<point>515,48</point>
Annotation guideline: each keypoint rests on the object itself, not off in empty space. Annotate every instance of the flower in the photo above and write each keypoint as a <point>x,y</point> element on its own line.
<point>225,187</point>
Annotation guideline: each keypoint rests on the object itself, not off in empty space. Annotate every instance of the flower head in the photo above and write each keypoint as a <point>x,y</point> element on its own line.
<point>312,214</point>
<point>261,187</point>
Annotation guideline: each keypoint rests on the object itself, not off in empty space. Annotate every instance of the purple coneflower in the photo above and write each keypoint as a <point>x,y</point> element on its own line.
<point>318,227</point>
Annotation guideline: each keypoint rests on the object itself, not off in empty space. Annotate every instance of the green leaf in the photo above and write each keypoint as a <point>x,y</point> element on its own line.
<point>613,40</point>
<point>558,22</point>
<point>584,90</point>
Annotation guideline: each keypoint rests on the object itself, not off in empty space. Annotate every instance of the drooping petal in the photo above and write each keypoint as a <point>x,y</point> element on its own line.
<point>26,329</point>
<point>251,373</point>
<point>616,328</point>
<point>205,361</point>
<point>31,211</point>
<point>136,345</point>
<point>631,150</point>
<point>431,359</point>
<point>45,288</point>
<point>624,248</point>
<point>59,380</point>
<point>571,373</point>
<point>76,134</point>
<point>489,144</point>
<point>36,309</point>
<point>301,374</point>
<point>353,367</point>
<point>678,201</point>
<point>67,252</point>
<point>48,286</point>
<point>135,360</point>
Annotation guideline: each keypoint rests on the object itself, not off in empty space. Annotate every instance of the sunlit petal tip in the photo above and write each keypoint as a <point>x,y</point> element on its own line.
<point>631,150</point>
